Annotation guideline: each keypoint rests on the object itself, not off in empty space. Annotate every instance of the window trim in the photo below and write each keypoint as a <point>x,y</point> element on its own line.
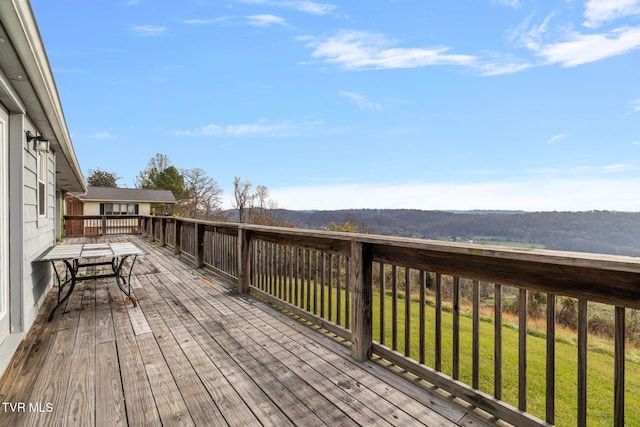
<point>42,170</point>
<point>128,207</point>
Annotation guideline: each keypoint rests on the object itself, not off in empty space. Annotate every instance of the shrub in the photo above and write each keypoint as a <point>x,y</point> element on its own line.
<point>568,313</point>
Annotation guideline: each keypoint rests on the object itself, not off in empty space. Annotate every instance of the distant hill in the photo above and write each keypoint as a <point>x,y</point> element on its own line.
<point>607,232</point>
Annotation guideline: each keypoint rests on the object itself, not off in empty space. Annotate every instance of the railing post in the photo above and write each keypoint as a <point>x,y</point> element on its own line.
<point>152,232</point>
<point>244,260</point>
<point>140,225</point>
<point>362,281</point>
<point>199,249</point>
<point>177,247</point>
<point>104,225</point>
<point>163,231</point>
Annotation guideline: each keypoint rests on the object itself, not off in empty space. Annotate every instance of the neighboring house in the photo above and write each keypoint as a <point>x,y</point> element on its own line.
<point>109,201</point>
<point>118,201</point>
<point>32,183</point>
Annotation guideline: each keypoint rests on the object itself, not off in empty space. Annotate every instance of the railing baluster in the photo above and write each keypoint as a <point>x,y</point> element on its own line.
<point>522,350</point>
<point>273,278</point>
<point>282,263</point>
<point>308,269</point>
<point>382,303</point>
<point>456,329</point>
<point>422,321</point>
<point>407,311</point>
<point>497,338</point>
<point>323,274</point>
<point>291,275</point>
<point>330,308</point>
<point>315,282</point>
<point>619,370</point>
<point>296,275</point>
<point>339,290</point>
<point>347,293</point>
<point>582,362</point>
<point>551,359</point>
<point>394,307</point>
<point>303,278</point>
<point>438,324</point>
<point>475,359</point>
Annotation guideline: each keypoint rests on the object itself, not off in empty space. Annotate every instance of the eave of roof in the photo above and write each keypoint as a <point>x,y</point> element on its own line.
<point>117,195</point>
<point>25,70</point>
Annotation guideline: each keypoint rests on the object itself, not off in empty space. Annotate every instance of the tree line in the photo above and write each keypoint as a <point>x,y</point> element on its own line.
<point>197,194</point>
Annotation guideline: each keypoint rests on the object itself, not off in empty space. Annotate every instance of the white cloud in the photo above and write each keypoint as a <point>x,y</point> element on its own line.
<point>265,20</point>
<point>356,50</point>
<point>149,30</point>
<point>508,3</point>
<point>300,5</point>
<point>556,138</point>
<point>560,44</point>
<point>104,135</point>
<point>253,20</point>
<point>531,37</point>
<point>260,128</point>
<point>199,21</point>
<point>635,105</point>
<point>530,195</point>
<point>581,48</point>
<point>500,66</point>
<point>599,12</point>
<point>361,101</point>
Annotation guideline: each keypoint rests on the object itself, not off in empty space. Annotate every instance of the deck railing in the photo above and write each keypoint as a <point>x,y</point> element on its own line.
<point>422,305</point>
<point>101,225</point>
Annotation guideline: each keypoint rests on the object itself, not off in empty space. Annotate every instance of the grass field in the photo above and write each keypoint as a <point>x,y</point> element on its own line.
<point>600,364</point>
<point>496,241</point>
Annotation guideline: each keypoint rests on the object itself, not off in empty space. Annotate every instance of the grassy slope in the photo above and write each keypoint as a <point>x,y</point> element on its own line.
<point>600,365</point>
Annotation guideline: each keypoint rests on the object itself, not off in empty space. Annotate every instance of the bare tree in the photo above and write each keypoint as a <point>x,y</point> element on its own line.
<point>261,197</point>
<point>203,193</point>
<point>242,197</point>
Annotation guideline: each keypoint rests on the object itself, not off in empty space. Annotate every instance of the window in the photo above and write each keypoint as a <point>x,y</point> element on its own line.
<point>42,183</point>
<point>119,209</point>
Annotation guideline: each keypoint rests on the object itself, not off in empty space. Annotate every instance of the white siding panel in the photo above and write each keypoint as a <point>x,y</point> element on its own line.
<point>91,208</point>
<point>39,235</point>
<point>144,208</point>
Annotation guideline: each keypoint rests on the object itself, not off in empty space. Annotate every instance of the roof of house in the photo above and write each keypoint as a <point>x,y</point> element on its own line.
<point>110,194</point>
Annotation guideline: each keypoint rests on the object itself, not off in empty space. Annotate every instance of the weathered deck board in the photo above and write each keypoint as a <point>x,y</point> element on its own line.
<point>139,403</point>
<point>80,401</point>
<point>196,353</point>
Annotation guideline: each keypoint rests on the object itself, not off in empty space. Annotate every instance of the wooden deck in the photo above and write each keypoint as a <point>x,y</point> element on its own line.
<point>197,353</point>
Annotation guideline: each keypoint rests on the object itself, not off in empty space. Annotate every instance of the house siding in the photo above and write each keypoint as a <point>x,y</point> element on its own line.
<point>34,99</point>
<point>39,234</point>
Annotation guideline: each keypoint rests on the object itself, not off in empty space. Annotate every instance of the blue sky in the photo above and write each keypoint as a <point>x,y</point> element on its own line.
<point>475,104</point>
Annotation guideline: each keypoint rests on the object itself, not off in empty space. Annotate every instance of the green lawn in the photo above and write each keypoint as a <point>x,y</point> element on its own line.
<point>600,364</point>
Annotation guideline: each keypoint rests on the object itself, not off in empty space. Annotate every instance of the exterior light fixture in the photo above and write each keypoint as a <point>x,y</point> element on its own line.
<point>40,143</point>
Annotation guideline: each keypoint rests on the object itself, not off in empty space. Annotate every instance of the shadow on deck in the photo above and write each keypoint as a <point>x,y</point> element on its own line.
<point>197,353</point>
